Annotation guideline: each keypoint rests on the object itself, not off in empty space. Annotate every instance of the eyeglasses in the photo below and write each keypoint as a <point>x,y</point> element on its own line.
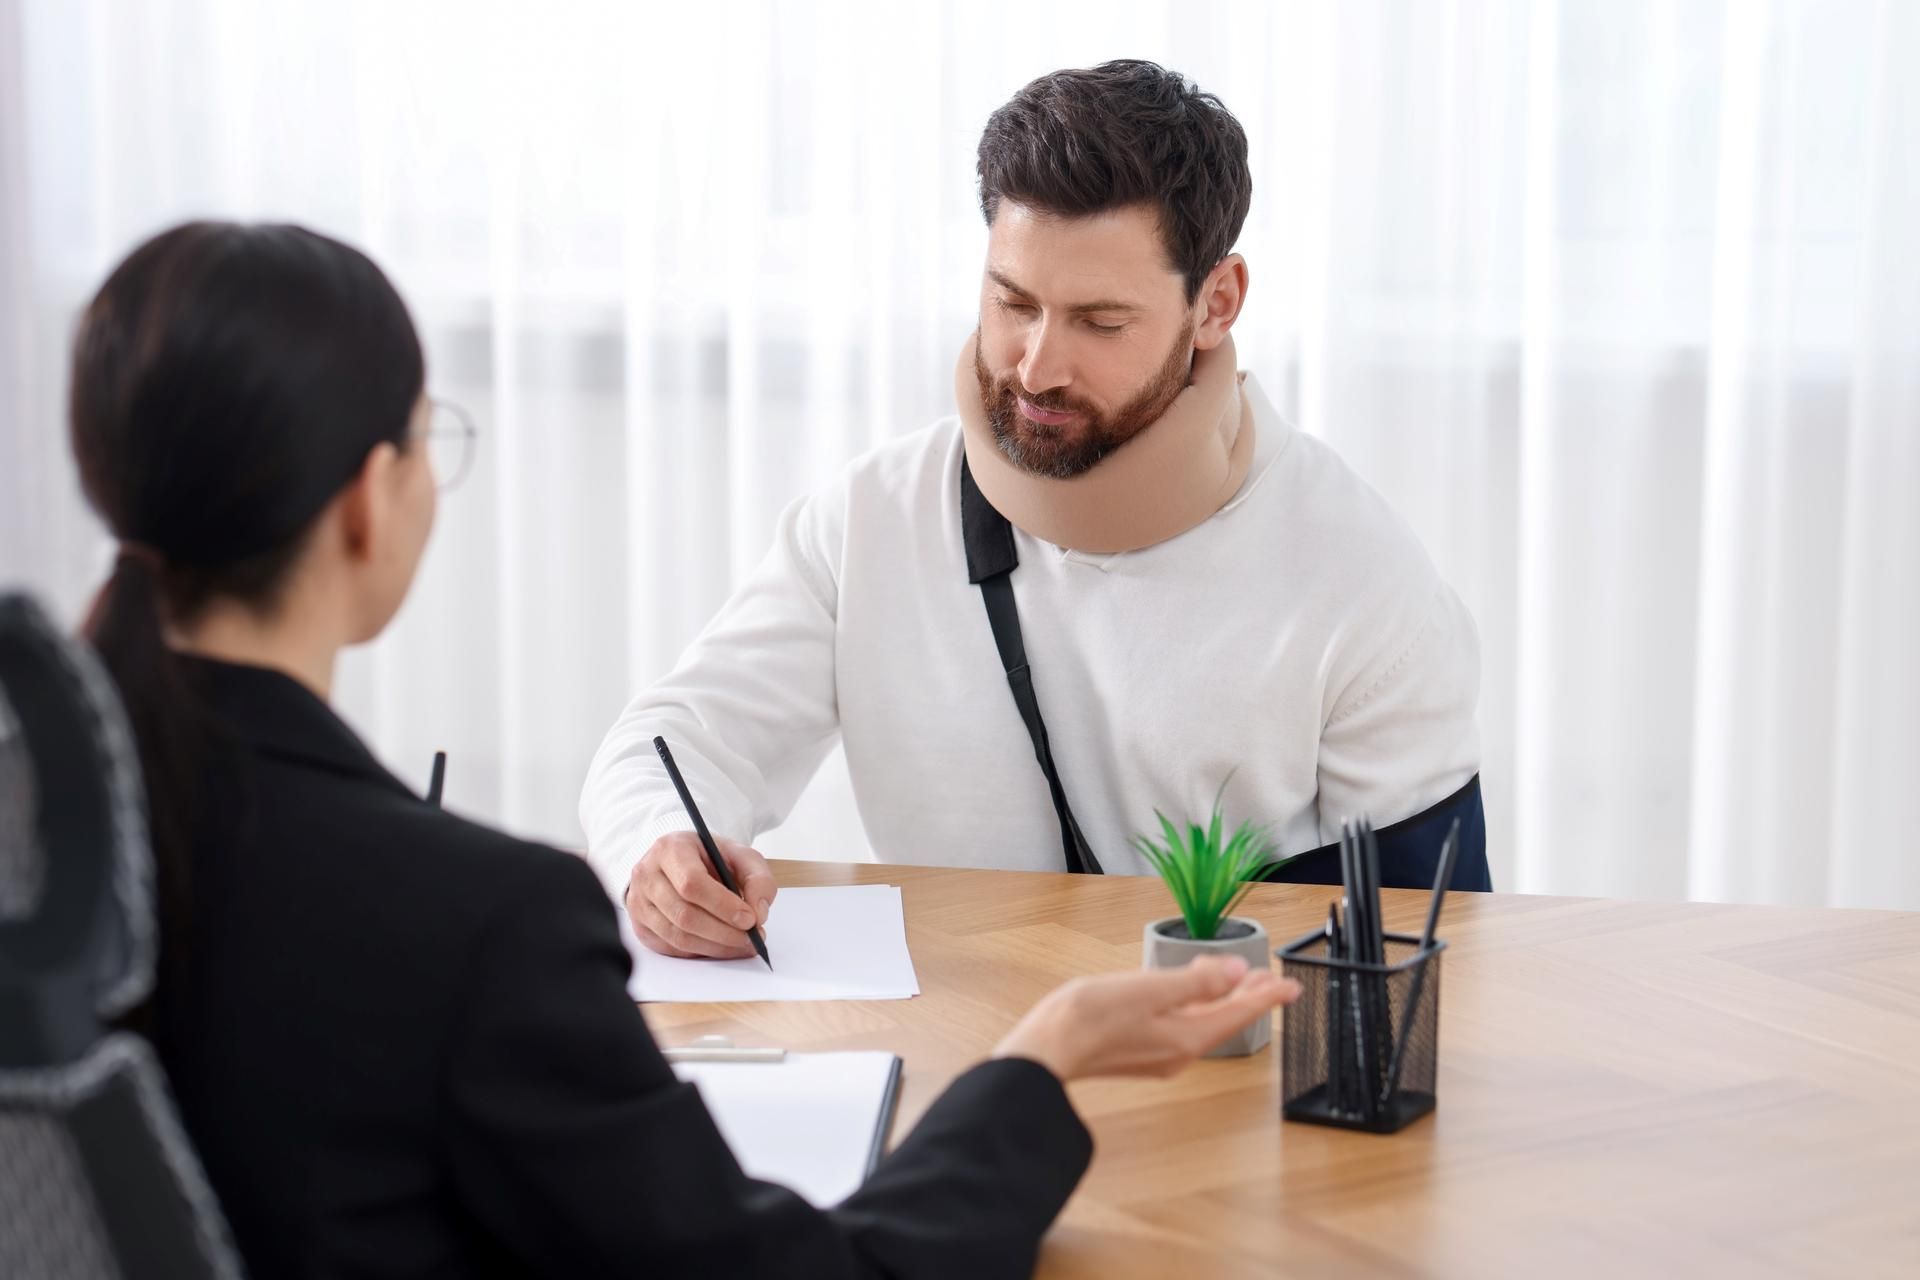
<point>452,440</point>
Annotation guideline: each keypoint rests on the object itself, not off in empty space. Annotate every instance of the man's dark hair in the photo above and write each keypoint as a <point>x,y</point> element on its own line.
<point>1080,142</point>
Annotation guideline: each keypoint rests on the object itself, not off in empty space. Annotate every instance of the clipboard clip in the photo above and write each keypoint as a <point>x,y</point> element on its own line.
<point>721,1049</point>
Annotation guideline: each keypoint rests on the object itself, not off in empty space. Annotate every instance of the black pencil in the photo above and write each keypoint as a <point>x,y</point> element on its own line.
<point>720,870</point>
<point>1379,1008</point>
<point>1443,876</point>
<point>1358,929</point>
<point>1336,1017</point>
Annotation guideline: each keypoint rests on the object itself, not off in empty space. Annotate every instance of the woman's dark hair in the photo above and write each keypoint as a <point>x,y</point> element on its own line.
<point>228,381</point>
<point>1081,142</point>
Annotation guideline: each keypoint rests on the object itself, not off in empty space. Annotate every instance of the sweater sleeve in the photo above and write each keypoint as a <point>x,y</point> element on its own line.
<point>750,709</point>
<point>1402,733</point>
<point>570,1138</point>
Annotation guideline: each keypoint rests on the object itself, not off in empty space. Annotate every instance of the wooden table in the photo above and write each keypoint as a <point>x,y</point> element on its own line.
<point>1626,1088</point>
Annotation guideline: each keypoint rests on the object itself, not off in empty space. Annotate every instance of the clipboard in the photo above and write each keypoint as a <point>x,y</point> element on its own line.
<point>817,1123</point>
<point>883,1124</point>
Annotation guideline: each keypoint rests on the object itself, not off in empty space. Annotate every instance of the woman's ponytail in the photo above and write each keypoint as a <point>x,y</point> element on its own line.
<point>127,628</point>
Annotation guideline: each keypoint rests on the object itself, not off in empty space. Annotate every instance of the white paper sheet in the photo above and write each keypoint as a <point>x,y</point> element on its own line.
<point>846,942</point>
<point>807,1123</point>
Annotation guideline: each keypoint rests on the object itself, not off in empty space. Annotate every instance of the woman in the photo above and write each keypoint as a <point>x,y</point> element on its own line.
<point>402,1042</point>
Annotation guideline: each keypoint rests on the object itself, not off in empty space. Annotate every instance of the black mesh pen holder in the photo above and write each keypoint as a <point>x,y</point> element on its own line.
<point>1358,1048</point>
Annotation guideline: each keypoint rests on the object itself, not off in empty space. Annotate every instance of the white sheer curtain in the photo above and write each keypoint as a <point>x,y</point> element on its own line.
<point>1619,302</point>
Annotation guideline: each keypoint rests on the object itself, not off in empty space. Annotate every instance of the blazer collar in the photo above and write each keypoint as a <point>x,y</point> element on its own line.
<point>276,715</point>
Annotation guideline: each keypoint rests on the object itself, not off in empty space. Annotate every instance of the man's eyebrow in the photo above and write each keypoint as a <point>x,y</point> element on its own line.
<point>1006,282</point>
<point>1078,308</point>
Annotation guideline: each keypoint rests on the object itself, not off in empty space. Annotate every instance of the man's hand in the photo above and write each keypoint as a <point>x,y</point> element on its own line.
<point>679,908</point>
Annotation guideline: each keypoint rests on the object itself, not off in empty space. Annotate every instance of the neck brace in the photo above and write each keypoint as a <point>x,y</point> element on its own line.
<point>1171,477</point>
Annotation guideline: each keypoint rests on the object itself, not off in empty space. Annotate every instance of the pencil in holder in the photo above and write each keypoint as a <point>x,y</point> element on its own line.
<point>1358,1049</point>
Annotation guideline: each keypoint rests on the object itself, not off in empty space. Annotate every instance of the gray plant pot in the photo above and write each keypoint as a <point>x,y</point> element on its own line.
<point>1165,945</point>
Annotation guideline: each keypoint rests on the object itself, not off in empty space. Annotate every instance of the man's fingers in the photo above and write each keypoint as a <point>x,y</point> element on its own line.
<point>638,911</point>
<point>688,928</point>
<point>691,879</point>
<point>658,945</point>
<point>755,878</point>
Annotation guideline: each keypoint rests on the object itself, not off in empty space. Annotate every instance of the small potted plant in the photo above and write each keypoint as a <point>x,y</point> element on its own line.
<point>1208,873</point>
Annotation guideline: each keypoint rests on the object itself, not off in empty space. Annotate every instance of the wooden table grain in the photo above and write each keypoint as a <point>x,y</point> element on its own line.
<point>1625,1088</point>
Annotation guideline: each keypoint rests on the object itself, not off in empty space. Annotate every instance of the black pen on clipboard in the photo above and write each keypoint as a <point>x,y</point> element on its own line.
<point>720,870</point>
<point>439,778</point>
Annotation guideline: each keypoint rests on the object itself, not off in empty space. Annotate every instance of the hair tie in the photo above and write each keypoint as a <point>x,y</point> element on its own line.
<point>146,557</point>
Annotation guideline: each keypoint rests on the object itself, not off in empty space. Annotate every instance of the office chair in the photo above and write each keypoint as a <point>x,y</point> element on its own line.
<point>97,1178</point>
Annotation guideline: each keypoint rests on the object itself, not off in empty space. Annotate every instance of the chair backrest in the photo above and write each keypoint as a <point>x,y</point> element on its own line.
<point>97,1178</point>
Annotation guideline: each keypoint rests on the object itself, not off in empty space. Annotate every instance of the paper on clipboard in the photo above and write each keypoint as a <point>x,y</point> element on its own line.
<point>814,1122</point>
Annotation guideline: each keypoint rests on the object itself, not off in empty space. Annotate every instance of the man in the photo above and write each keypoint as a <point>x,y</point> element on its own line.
<point>1183,591</point>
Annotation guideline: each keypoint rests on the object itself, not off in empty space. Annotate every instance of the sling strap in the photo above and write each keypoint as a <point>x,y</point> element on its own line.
<point>991,560</point>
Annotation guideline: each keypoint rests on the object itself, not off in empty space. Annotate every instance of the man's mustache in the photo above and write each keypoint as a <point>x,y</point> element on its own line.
<point>1054,401</point>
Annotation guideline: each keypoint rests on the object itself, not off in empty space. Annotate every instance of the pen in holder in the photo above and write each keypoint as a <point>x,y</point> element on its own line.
<point>1359,1047</point>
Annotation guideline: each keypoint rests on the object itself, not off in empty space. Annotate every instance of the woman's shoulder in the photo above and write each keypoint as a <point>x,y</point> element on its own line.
<point>449,855</point>
<point>350,842</point>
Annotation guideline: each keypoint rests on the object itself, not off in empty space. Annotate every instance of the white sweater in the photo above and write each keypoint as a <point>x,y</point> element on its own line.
<point>1300,639</point>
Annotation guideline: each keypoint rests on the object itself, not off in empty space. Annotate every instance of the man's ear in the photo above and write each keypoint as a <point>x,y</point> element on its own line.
<point>1221,296</point>
<point>363,502</point>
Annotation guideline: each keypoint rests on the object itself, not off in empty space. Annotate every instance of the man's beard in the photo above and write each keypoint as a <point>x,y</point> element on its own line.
<point>1060,453</point>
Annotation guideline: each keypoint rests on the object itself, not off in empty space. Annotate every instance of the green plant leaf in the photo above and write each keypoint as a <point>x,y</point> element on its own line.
<point>1208,871</point>
<point>1172,833</point>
